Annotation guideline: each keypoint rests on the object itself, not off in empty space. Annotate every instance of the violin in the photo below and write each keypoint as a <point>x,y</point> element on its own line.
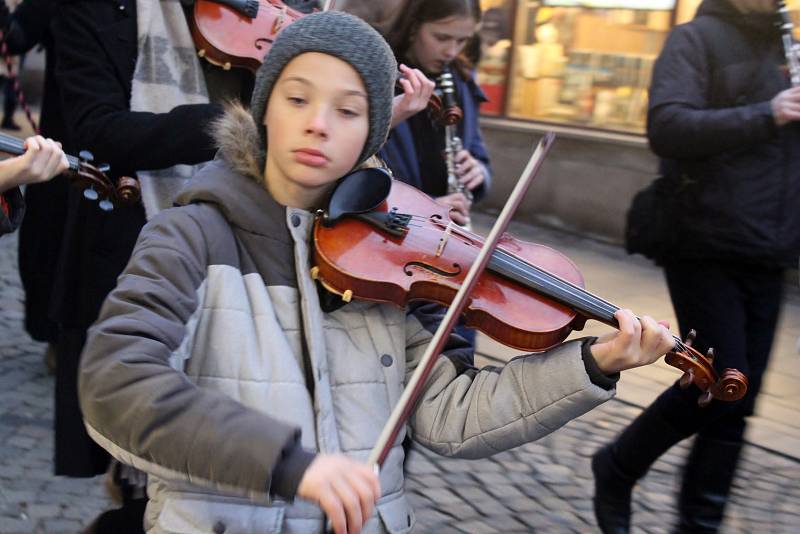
<point>383,240</point>
<point>238,33</point>
<point>93,180</point>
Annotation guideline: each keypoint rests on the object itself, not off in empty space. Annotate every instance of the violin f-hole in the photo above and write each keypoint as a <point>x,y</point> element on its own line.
<point>408,269</point>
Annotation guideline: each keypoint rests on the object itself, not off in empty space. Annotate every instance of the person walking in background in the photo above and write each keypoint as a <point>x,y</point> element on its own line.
<point>724,121</point>
<point>42,230</point>
<point>9,94</point>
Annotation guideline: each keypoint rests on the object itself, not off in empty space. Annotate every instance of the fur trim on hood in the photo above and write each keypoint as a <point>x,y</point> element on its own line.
<point>236,135</point>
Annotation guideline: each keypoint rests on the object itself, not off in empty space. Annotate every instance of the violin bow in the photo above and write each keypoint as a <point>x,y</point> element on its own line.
<point>411,393</point>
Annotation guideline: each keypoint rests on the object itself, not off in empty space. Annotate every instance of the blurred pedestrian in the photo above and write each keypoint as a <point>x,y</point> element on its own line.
<point>42,230</point>
<point>16,59</point>
<point>725,123</point>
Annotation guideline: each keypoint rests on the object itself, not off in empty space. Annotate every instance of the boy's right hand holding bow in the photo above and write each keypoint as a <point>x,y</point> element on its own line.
<point>345,489</point>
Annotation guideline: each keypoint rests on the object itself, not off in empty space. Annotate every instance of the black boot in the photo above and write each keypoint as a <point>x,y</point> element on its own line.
<point>707,480</point>
<point>612,492</point>
<point>618,466</point>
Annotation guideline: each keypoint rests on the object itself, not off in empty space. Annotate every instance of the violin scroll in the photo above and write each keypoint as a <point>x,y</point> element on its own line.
<point>97,185</point>
<point>698,369</point>
<point>128,190</point>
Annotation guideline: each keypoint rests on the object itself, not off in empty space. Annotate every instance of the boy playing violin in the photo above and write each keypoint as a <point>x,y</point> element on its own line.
<point>215,367</point>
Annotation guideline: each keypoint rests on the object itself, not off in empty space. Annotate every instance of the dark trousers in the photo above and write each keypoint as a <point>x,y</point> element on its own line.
<point>76,454</point>
<point>734,309</point>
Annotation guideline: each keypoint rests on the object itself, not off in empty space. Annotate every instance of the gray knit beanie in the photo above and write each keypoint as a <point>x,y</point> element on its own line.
<point>348,38</point>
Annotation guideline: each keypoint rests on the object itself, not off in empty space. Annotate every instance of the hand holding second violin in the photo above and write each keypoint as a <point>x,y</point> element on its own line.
<point>636,343</point>
<point>43,159</point>
<point>417,91</point>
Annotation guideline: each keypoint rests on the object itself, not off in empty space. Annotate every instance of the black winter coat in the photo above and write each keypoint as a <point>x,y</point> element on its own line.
<point>96,50</point>
<point>734,174</point>
<point>96,55</point>
<point>42,230</point>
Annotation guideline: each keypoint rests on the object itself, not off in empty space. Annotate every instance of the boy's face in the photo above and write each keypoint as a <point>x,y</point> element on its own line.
<point>436,43</point>
<point>317,124</point>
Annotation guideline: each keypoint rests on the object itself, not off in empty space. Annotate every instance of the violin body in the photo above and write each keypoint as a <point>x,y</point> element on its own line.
<point>228,38</point>
<point>352,256</point>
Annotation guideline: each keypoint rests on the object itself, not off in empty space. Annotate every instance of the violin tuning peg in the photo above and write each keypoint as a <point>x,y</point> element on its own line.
<point>104,167</point>
<point>687,379</point>
<point>690,337</point>
<point>705,399</point>
<point>90,194</point>
<point>106,205</point>
<point>710,355</point>
<point>86,156</point>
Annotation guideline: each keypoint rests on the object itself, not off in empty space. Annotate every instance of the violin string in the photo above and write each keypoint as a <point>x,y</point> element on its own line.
<point>579,292</point>
<point>544,278</point>
<point>536,276</point>
<point>578,299</point>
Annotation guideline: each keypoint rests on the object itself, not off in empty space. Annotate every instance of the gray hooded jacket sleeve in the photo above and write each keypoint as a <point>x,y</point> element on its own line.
<point>152,416</point>
<point>474,413</point>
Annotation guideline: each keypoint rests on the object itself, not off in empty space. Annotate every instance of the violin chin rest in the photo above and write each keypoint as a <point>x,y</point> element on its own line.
<point>361,191</point>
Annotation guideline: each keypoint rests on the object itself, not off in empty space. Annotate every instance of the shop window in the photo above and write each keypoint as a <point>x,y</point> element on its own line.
<point>495,47</point>
<point>589,65</point>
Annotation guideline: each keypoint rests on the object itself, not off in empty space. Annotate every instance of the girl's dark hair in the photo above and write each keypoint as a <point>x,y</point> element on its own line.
<point>418,12</point>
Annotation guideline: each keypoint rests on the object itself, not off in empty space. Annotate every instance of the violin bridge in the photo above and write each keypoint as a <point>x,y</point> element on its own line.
<point>445,237</point>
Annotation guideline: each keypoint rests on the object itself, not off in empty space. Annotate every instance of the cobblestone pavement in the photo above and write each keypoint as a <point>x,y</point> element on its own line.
<point>31,498</point>
<point>544,486</point>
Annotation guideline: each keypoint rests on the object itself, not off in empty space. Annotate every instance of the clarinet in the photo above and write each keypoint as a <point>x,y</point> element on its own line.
<point>452,145</point>
<point>791,48</point>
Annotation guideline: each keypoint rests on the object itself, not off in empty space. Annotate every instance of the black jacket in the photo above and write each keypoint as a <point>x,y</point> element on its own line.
<point>41,232</point>
<point>96,55</point>
<point>734,174</point>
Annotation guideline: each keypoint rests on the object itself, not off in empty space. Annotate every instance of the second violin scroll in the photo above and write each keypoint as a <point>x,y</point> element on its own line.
<point>94,181</point>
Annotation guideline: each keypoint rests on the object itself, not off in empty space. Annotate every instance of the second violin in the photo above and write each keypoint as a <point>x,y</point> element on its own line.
<point>238,33</point>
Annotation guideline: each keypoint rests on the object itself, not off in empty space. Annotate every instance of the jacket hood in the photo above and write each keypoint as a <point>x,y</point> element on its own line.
<point>233,180</point>
<point>766,23</point>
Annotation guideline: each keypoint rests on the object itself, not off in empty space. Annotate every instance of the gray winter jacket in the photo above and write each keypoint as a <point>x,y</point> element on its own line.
<point>214,368</point>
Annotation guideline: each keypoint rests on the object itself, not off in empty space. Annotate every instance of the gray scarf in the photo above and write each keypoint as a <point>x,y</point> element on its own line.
<point>167,74</point>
